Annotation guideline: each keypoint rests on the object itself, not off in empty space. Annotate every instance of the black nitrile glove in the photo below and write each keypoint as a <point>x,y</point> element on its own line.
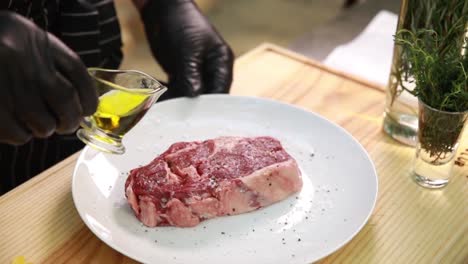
<point>195,57</point>
<point>44,87</point>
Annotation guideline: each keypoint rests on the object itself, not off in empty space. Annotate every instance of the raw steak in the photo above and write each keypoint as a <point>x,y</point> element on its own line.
<point>194,181</point>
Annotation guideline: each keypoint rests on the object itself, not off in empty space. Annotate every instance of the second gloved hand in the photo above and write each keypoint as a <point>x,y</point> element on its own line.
<point>188,48</point>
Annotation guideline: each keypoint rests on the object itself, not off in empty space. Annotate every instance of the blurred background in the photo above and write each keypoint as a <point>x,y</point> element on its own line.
<point>313,28</point>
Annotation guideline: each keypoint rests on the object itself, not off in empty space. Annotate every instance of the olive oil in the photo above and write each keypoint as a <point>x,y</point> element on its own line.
<point>118,111</point>
<point>124,98</point>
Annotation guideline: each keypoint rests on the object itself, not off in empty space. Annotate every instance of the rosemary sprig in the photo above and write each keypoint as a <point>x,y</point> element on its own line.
<point>438,62</point>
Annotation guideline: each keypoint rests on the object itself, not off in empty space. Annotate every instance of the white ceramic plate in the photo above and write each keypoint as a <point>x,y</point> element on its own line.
<point>339,193</point>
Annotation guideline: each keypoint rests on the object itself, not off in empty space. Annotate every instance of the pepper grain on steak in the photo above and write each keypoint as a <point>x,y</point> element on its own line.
<point>195,181</point>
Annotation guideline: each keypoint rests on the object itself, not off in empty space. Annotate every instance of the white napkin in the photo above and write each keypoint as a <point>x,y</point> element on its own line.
<point>369,55</point>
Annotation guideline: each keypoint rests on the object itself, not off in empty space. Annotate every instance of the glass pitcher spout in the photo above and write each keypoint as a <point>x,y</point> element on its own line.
<point>124,98</point>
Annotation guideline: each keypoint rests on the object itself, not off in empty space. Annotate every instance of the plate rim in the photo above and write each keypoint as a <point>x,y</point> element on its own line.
<point>253,98</point>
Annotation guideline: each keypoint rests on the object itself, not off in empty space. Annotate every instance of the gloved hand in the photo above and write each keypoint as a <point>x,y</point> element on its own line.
<point>44,87</point>
<point>195,57</point>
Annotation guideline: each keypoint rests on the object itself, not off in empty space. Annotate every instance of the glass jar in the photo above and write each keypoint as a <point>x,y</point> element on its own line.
<point>401,109</point>
<point>438,139</point>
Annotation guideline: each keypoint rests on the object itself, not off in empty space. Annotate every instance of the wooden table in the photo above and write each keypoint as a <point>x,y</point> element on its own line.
<point>410,224</point>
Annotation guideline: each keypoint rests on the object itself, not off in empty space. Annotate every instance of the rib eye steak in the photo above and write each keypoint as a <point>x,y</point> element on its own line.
<point>194,181</point>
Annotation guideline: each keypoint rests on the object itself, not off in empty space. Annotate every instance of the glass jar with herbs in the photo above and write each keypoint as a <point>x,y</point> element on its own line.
<point>440,25</point>
<point>435,53</point>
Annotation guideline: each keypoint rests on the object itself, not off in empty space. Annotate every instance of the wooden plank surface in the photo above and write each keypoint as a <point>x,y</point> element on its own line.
<point>409,225</point>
